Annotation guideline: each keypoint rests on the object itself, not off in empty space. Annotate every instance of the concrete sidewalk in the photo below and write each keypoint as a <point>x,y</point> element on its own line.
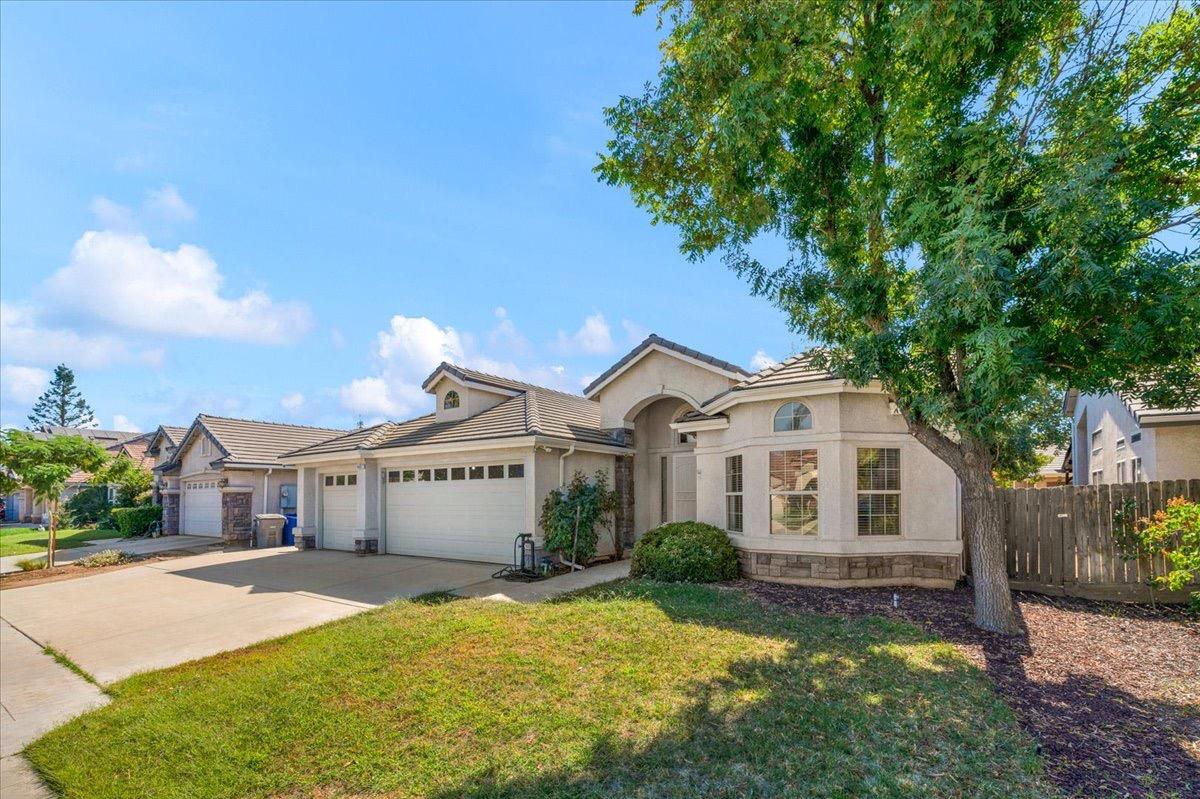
<point>504,591</point>
<point>134,546</point>
<point>36,695</point>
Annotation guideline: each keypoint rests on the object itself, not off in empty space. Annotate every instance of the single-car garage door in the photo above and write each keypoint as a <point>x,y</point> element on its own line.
<point>201,506</point>
<point>470,512</point>
<point>338,514</point>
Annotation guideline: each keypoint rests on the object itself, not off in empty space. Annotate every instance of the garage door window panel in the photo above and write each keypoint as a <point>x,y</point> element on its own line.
<point>516,470</point>
<point>458,473</point>
<point>475,472</point>
<point>495,472</point>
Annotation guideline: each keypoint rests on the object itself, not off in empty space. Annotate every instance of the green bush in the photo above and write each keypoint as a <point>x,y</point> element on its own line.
<point>31,564</point>
<point>89,506</point>
<point>136,521</point>
<point>571,515</point>
<point>105,557</point>
<point>684,552</point>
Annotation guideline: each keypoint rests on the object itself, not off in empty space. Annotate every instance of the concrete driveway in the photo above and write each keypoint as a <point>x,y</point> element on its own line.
<point>160,614</point>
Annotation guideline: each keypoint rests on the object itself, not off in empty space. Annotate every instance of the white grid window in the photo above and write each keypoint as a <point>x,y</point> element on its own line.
<point>878,491</point>
<point>733,493</point>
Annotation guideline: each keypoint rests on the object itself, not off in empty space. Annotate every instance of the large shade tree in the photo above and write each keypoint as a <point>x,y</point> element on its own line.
<point>982,202</point>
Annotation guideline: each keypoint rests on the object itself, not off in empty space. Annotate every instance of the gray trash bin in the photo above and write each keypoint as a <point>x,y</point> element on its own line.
<point>269,527</point>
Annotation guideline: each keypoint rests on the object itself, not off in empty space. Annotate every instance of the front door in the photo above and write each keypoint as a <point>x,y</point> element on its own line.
<point>683,486</point>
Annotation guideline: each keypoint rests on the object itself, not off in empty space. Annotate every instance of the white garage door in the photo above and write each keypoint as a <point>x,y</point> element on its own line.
<point>201,505</point>
<point>338,514</point>
<point>468,512</point>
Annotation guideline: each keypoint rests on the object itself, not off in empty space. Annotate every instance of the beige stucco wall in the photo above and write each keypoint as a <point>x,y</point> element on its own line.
<point>656,374</point>
<point>842,423</point>
<point>1177,455</point>
<point>546,479</point>
<point>653,440</point>
<point>470,400</point>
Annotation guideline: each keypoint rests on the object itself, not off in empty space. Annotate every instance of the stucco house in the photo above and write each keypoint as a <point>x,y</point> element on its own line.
<point>218,473</point>
<point>1120,439</point>
<point>815,480</point>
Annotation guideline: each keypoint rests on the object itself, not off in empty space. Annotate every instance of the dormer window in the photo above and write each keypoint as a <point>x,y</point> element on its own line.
<point>450,400</point>
<point>792,416</point>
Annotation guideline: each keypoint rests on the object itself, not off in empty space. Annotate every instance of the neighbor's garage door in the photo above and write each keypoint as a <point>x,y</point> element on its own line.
<point>338,514</point>
<point>201,508</point>
<point>466,512</point>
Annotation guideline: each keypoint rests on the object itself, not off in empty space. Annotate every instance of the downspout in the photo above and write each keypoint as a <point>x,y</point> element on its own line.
<point>266,477</point>
<point>562,481</point>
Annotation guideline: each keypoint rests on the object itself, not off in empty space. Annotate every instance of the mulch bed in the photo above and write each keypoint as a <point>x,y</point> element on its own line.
<point>71,571</point>
<point>1110,693</point>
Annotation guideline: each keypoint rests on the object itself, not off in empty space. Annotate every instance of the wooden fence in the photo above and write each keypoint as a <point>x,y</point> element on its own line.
<point>1060,540</point>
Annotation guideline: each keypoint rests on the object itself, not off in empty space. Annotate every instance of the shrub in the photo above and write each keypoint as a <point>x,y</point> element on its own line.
<point>684,552</point>
<point>89,506</point>
<point>31,564</point>
<point>583,505</point>
<point>136,521</point>
<point>1173,532</point>
<point>105,557</point>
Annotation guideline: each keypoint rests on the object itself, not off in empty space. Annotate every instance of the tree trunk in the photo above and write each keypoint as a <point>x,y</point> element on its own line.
<point>985,537</point>
<point>51,540</point>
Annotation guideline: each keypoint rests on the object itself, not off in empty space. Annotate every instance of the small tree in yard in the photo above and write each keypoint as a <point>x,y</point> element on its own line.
<point>45,465</point>
<point>61,404</point>
<point>976,202</point>
<point>132,480</point>
<point>1173,534</point>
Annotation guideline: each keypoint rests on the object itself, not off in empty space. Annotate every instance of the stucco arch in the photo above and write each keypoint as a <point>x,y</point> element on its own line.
<point>663,392</point>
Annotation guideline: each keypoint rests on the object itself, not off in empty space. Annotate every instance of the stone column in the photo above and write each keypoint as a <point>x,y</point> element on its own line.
<point>623,485</point>
<point>170,506</point>
<point>237,515</point>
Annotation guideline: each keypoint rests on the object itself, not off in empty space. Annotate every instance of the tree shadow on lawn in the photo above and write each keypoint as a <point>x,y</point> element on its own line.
<point>1096,738</point>
<point>870,707</point>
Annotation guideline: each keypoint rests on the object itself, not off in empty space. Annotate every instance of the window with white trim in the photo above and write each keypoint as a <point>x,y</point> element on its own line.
<point>451,400</point>
<point>1135,470</point>
<point>792,416</point>
<point>475,472</point>
<point>516,470</point>
<point>1097,444</point>
<point>878,491</point>
<point>1120,445</point>
<point>1120,471</point>
<point>458,472</point>
<point>1097,476</point>
<point>495,472</point>
<point>793,489</point>
<point>733,493</point>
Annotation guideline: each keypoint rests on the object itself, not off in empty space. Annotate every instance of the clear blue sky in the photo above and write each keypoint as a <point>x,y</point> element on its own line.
<point>289,211</point>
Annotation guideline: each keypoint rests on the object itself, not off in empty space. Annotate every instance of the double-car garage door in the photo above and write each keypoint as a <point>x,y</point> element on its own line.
<point>466,512</point>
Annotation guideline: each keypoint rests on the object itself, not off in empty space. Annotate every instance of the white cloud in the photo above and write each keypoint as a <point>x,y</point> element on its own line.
<point>586,380</point>
<point>112,215</point>
<point>121,422</point>
<point>504,335</point>
<point>593,338</point>
<point>25,337</point>
<point>634,332</point>
<point>762,361</point>
<point>166,204</point>
<point>292,403</point>
<point>412,347</point>
<point>122,280</point>
<point>23,384</point>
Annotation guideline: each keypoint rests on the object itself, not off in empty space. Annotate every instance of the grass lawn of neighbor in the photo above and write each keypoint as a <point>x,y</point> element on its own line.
<point>31,541</point>
<point>634,689</point>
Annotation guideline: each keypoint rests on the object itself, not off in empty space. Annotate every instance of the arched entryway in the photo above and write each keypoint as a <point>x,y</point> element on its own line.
<point>664,463</point>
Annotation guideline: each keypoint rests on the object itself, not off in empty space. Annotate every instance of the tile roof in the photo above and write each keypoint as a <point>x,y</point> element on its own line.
<point>174,434</point>
<point>654,339</point>
<point>248,441</point>
<point>796,370</point>
<point>102,437</point>
<point>534,411</point>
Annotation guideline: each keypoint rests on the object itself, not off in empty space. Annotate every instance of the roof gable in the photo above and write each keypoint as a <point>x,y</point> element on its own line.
<point>656,343</point>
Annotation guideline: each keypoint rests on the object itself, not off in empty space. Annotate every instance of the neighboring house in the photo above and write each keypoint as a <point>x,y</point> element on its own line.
<point>161,448</point>
<point>683,435</point>
<point>22,506</point>
<point>1119,439</point>
<point>1052,473</point>
<point>221,472</point>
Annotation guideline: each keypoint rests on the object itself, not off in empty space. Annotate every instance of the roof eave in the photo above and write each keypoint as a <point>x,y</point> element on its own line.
<point>642,351</point>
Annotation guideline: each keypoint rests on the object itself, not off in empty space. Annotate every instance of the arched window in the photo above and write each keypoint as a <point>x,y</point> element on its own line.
<point>792,416</point>
<point>451,400</point>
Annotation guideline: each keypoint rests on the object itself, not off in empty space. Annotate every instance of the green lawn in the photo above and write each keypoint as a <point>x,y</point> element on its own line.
<point>31,541</point>
<point>639,690</point>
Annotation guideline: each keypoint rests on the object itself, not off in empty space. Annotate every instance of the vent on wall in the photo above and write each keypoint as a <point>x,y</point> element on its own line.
<point>1135,437</point>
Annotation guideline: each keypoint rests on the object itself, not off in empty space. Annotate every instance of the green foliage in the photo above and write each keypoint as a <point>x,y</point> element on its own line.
<point>684,552</point>
<point>132,480</point>
<point>45,464</point>
<point>1173,532</point>
<point>137,520</point>
<point>105,557</point>
<point>62,403</point>
<point>570,518</point>
<point>970,194</point>
<point>32,564</point>
<point>89,506</point>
